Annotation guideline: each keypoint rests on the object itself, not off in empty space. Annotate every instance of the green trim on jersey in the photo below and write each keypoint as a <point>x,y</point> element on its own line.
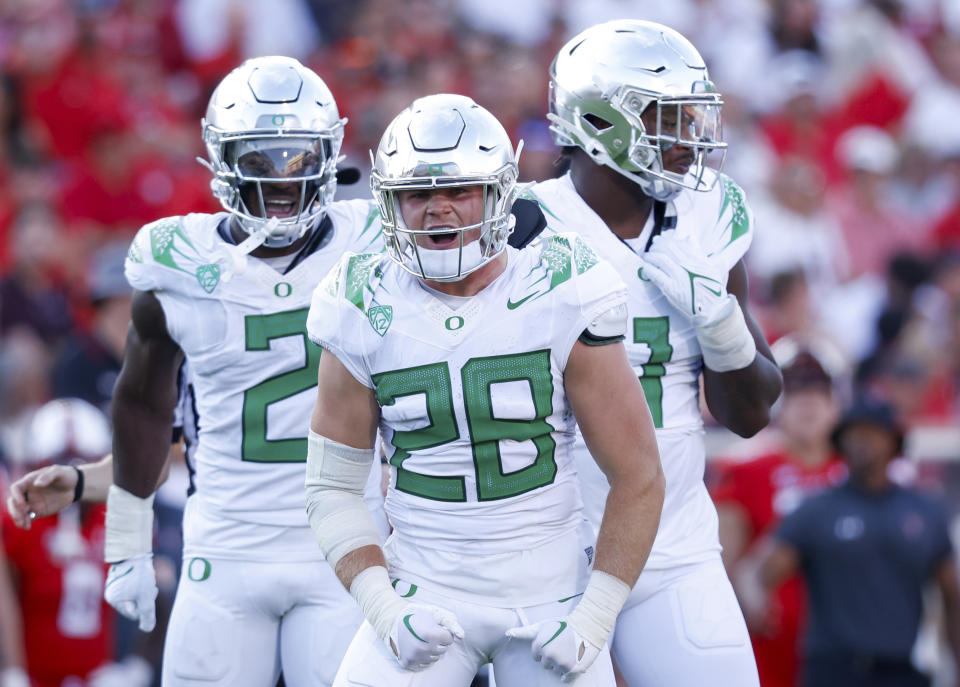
<point>358,272</point>
<point>371,218</point>
<point>558,262</point>
<point>733,199</point>
<point>163,234</point>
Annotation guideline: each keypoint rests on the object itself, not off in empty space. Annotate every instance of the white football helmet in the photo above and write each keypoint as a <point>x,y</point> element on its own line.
<point>445,141</point>
<point>605,78</point>
<point>65,431</point>
<point>272,123</point>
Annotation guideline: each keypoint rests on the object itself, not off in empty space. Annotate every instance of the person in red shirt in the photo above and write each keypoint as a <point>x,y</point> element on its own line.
<point>57,564</point>
<point>754,495</point>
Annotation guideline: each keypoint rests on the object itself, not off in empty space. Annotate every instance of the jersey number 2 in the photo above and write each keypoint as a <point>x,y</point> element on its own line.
<point>486,431</point>
<point>260,331</point>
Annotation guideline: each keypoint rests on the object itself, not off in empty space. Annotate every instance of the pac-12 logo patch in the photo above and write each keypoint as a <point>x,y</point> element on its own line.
<point>380,317</point>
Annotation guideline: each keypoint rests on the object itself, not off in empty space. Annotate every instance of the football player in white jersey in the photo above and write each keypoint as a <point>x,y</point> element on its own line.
<point>230,293</point>
<point>632,105</point>
<point>472,359</point>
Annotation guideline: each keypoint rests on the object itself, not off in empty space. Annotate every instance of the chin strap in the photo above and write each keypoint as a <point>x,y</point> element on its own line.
<point>233,259</point>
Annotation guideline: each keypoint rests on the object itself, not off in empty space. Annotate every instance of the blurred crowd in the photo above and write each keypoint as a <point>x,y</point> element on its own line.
<point>841,117</point>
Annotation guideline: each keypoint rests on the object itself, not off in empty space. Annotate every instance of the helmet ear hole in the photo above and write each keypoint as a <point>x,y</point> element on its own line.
<point>598,123</point>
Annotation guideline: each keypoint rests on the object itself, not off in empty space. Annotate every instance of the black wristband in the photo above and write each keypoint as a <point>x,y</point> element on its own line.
<point>78,490</point>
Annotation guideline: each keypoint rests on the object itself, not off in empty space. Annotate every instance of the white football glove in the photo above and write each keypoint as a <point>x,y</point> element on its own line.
<point>131,588</point>
<point>693,283</point>
<point>421,634</point>
<point>558,646</point>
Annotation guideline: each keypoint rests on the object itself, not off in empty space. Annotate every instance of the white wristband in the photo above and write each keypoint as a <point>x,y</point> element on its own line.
<point>129,530</point>
<point>726,342</point>
<point>596,614</point>
<point>379,603</point>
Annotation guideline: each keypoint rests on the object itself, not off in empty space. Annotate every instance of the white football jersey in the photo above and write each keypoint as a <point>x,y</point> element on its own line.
<point>252,369</point>
<point>663,350</point>
<point>483,496</point>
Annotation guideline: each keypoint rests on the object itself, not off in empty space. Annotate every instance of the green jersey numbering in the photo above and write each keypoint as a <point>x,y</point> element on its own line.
<point>478,376</point>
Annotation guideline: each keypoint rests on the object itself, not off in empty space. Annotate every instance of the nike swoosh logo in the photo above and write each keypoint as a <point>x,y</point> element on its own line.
<point>563,626</point>
<point>123,574</point>
<point>693,285</point>
<point>406,621</point>
<point>512,306</point>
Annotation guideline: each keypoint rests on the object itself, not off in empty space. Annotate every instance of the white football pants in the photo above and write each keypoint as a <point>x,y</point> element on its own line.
<point>682,627</point>
<point>237,623</point>
<point>369,663</point>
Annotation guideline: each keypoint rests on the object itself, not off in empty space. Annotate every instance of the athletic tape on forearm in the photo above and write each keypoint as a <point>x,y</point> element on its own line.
<point>596,614</point>
<point>726,343</point>
<point>379,603</point>
<point>338,515</point>
<point>129,529</point>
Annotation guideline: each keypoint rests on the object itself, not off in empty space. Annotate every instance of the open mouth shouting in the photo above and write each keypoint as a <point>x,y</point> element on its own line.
<point>439,239</point>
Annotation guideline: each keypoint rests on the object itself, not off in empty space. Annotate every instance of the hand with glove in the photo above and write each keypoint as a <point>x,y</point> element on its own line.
<point>696,286</point>
<point>558,646</point>
<point>131,586</point>
<point>418,635</point>
<point>131,589</point>
<point>421,634</point>
<point>570,645</point>
<point>680,268</point>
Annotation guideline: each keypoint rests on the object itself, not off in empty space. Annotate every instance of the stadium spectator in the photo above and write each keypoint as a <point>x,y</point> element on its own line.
<point>866,548</point>
<point>89,361</point>
<point>754,495</point>
<point>57,564</point>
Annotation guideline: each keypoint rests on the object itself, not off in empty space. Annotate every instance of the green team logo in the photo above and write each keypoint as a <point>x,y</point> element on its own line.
<point>198,569</point>
<point>208,276</point>
<point>380,317</point>
<point>454,322</point>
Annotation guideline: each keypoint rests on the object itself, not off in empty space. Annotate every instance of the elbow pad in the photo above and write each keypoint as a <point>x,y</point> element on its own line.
<point>338,515</point>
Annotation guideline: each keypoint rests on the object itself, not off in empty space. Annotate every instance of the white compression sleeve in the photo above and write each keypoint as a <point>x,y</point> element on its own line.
<point>338,515</point>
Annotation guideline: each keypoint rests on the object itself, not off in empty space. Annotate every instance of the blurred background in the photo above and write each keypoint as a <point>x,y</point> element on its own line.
<point>843,119</point>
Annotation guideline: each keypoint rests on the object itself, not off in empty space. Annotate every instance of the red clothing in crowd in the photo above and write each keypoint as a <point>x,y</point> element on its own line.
<point>767,489</point>
<point>58,567</point>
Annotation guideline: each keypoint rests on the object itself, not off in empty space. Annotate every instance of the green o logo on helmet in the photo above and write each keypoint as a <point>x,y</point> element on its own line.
<point>279,119</point>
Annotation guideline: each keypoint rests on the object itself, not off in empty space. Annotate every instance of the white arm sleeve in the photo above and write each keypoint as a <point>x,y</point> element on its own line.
<point>338,515</point>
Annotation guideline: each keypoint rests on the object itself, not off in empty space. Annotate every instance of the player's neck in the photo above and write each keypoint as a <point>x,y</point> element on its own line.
<point>619,202</point>
<point>473,283</point>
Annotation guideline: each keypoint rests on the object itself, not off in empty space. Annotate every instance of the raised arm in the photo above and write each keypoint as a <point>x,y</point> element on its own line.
<point>741,399</point>
<point>339,455</point>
